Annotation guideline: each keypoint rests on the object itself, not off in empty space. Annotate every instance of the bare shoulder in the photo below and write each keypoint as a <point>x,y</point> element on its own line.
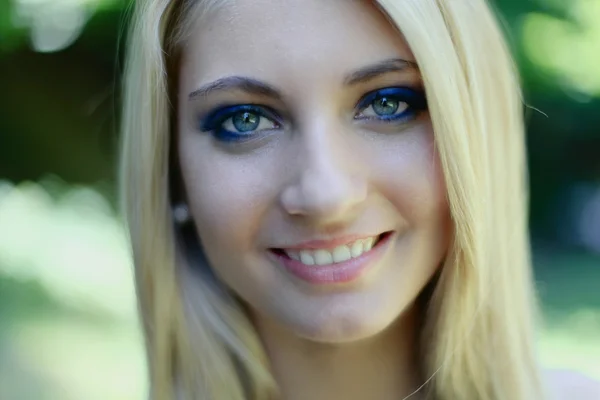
<point>570,385</point>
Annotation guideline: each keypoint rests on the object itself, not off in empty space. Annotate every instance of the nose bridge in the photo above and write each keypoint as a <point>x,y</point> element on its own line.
<point>328,180</point>
<point>326,158</point>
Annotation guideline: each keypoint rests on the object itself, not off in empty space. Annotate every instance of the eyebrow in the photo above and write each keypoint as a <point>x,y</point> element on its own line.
<point>245,84</point>
<point>373,71</point>
<point>254,86</point>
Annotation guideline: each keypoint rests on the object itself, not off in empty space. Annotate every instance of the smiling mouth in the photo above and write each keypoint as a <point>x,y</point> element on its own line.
<point>332,256</point>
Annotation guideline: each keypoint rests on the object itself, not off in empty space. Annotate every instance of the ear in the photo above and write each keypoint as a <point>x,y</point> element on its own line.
<point>570,385</point>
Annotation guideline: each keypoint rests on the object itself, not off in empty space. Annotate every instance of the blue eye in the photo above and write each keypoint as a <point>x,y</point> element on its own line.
<point>394,104</point>
<point>239,123</point>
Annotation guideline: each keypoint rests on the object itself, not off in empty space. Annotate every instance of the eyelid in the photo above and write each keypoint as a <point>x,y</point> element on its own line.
<point>414,97</point>
<point>223,113</point>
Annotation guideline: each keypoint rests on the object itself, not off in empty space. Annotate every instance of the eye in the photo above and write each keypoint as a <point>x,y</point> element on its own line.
<point>247,121</point>
<point>393,104</point>
<point>239,122</point>
<point>385,106</point>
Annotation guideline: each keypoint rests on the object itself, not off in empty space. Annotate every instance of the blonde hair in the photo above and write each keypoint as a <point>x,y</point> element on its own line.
<point>478,339</point>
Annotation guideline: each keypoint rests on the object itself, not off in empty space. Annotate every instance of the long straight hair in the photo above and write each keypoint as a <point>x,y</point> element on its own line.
<point>478,341</point>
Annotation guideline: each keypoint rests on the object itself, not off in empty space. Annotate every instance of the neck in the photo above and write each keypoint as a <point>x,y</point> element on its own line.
<point>383,367</point>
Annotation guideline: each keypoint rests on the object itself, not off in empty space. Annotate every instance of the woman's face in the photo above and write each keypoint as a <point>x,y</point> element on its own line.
<point>308,159</point>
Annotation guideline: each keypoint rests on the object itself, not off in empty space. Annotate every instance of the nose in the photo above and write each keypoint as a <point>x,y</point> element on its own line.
<point>328,184</point>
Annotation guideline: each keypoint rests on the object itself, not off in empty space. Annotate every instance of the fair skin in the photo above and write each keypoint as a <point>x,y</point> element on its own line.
<point>316,172</point>
<point>329,142</point>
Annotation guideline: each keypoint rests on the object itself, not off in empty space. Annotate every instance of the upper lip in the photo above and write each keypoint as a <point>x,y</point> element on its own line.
<point>327,243</point>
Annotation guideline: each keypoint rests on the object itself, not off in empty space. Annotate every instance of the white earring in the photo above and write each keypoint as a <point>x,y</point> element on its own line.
<point>181,214</point>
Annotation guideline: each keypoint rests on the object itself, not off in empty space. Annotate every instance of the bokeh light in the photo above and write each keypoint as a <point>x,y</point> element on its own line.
<point>567,49</point>
<point>68,323</point>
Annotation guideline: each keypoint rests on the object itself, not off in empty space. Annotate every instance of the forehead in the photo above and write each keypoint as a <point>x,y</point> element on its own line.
<point>287,37</point>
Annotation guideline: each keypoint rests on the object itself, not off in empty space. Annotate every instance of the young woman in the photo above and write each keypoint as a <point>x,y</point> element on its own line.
<point>327,200</point>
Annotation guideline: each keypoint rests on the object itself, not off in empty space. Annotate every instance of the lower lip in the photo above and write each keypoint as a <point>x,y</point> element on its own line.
<point>343,272</point>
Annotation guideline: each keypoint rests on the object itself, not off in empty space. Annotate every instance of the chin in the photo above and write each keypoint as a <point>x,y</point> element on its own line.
<point>338,327</point>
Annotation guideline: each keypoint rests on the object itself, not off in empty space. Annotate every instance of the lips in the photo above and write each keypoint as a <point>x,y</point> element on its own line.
<point>331,255</point>
<point>333,262</point>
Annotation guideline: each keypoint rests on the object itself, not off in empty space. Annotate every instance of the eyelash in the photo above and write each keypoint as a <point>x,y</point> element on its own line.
<point>414,100</point>
<point>215,120</point>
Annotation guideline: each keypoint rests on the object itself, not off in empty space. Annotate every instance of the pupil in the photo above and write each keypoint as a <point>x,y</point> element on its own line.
<point>246,121</point>
<point>385,106</point>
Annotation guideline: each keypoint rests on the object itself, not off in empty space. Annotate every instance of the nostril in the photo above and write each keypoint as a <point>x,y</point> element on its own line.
<point>325,192</point>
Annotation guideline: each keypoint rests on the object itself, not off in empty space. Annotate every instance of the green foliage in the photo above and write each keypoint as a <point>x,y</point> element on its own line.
<point>59,111</point>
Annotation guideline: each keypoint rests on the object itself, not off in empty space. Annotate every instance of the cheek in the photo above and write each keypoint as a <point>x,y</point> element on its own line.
<point>411,180</point>
<point>409,175</point>
<point>227,195</point>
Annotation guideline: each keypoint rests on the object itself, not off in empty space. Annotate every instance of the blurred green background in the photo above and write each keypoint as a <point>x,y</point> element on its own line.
<point>68,329</point>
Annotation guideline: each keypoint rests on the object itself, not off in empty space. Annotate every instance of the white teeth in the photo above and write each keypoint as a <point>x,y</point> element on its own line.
<point>323,257</point>
<point>357,248</point>
<point>306,258</point>
<point>341,253</point>
<point>368,244</point>
<point>336,255</point>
